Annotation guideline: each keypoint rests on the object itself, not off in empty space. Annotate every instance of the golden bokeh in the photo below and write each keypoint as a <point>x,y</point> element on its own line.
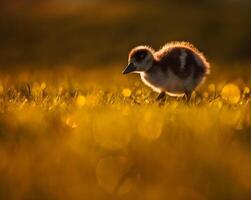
<point>100,140</point>
<point>231,93</point>
<point>81,100</point>
<point>126,92</point>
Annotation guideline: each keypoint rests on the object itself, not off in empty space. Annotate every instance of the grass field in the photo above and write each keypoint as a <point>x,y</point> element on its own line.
<point>76,134</point>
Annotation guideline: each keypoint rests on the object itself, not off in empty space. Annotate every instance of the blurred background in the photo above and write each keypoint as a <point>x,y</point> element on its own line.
<point>96,33</point>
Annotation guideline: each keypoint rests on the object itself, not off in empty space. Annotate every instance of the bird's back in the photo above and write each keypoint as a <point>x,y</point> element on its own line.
<point>183,59</point>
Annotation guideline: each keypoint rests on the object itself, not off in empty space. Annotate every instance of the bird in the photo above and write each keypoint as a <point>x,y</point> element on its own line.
<point>177,69</point>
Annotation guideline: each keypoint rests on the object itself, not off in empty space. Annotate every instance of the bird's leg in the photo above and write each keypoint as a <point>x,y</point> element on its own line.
<point>161,96</point>
<point>188,94</point>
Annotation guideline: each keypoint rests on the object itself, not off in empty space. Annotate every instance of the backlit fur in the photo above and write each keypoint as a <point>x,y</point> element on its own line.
<point>176,68</point>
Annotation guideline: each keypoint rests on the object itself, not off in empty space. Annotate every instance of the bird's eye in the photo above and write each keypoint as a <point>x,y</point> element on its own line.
<point>142,56</point>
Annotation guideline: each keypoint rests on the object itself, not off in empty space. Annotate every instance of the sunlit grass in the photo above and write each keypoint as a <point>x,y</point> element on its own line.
<point>78,135</point>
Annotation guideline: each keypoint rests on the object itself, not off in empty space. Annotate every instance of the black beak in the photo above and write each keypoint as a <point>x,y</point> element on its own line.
<point>129,68</point>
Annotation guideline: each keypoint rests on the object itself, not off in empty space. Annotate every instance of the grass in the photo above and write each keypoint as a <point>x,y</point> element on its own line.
<point>72,134</point>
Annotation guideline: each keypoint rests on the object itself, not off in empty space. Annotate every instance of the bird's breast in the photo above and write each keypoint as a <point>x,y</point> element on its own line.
<point>167,81</point>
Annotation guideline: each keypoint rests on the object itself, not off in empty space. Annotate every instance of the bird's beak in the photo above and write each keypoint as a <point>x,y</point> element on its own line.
<point>130,68</point>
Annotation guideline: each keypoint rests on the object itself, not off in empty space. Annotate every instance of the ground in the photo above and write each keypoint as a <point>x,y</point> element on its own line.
<point>70,133</point>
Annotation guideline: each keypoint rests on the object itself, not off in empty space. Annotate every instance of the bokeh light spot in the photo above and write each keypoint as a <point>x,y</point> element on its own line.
<point>150,125</point>
<point>126,92</point>
<point>231,93</point>
<point>246,90</point>
<point>71,123</point>
<point>81,100</point>
<point>43,86</point>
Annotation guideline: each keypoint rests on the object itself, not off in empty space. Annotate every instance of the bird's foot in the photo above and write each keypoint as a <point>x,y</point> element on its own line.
<point>161,96</point>
<point>188,95</point>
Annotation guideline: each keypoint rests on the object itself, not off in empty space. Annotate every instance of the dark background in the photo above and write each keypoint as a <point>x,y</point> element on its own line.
<point>43,33</point>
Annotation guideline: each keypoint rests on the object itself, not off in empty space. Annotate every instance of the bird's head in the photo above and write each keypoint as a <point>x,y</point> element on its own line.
<point>140,59</point>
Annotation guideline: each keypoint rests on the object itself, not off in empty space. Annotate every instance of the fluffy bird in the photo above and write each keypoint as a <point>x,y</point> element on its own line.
<point>177,69</point>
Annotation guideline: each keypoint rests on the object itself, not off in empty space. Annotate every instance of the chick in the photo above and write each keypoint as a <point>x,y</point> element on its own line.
<point>177,69</point>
